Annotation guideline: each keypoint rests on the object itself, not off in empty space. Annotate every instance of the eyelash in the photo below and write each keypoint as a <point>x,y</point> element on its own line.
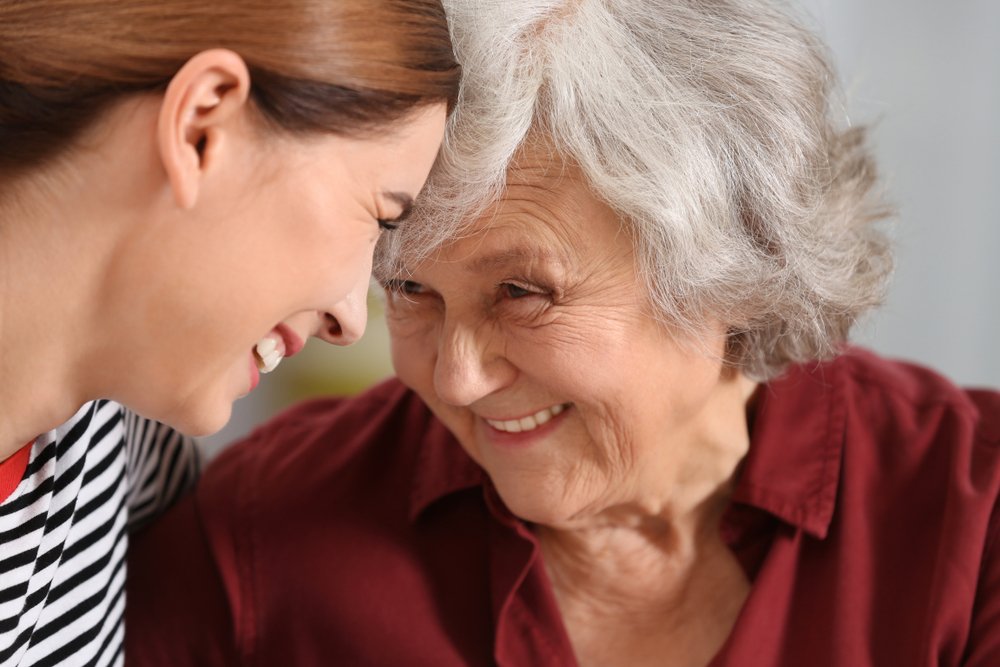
<point>534,290</point>
<point>397,286</point>
<point>386,225</point>
<point>412,288</point>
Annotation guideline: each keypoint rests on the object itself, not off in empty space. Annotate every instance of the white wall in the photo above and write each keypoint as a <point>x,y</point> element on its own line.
<point>927,72</point>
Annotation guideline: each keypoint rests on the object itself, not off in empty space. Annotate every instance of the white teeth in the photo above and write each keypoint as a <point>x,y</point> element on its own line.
<point>268,355</point>
<point>270,362</point>
<point>266,346</point>
<point>529,423</point>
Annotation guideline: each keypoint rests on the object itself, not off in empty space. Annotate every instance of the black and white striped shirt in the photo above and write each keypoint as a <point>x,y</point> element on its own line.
<point>64,532</point>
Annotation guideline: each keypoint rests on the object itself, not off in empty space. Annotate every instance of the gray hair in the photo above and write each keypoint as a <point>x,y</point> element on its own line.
<point>706,125</point>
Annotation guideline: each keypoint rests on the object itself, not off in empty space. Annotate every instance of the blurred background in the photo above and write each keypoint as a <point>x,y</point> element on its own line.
<point>925,76</point>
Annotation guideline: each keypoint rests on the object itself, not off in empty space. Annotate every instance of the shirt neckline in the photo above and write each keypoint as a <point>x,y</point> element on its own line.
<point>12,470</point>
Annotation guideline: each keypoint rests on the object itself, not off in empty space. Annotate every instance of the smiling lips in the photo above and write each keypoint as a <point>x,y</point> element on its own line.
<point>529,423</point>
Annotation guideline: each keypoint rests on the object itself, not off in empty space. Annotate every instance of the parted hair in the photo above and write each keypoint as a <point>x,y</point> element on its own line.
<point>340,66</point>
<point>709,126</point>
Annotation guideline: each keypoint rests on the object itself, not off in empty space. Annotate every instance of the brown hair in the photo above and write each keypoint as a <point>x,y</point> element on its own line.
<point>340,66</point>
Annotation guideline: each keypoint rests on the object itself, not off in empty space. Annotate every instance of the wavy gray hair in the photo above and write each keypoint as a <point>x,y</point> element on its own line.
<point>706,125</point>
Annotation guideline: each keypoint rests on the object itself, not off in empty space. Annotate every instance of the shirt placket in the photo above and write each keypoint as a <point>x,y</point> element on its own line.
<point>528,626</point>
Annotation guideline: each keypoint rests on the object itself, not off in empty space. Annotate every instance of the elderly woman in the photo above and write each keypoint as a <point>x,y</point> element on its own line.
<point>626,429</point>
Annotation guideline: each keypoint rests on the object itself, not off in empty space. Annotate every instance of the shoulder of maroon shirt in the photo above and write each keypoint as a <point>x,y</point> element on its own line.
<point>327,476</point>
<point>360,454</point>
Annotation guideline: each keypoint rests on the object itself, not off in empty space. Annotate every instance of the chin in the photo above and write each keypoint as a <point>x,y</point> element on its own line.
<point>203,421</point>
<point>545,509</point>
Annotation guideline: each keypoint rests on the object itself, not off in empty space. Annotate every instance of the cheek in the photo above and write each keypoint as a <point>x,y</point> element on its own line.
<point>193,392</point>
<point>611,422</point>
<point>575,368</point>
<point>619,393</point>
<point>320,232</point>
<point>413,348</point>
<point>311,273</point>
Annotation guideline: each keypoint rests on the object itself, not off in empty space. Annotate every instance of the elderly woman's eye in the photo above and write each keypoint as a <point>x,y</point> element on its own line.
<point>515,291</point>
<point>408,287</point>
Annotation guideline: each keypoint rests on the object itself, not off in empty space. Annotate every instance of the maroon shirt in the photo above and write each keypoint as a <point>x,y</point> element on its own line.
<point>357,532</point>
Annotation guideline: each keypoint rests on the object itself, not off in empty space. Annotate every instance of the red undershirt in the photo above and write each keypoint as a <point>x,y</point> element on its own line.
<point>12,471</point>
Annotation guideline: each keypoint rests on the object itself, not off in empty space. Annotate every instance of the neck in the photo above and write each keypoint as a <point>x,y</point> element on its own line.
<point>632,561</point>
<point>41,285</point>
<point>64,229</point>
<point>641,550</point>
<point>653,593</point>
<point>58,238</point>
<point>652,583</point>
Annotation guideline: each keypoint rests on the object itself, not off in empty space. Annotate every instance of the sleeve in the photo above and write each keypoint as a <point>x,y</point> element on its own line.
<point>162,465</point>
<point>983,648</point>
<point>188,574</point>
<point>177,611</point>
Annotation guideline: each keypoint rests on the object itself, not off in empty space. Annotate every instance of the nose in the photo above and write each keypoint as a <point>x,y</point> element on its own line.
<point>345,322</point>
<point>470,364</point>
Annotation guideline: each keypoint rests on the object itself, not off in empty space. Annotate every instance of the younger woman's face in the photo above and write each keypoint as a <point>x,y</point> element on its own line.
<point>279,246</point>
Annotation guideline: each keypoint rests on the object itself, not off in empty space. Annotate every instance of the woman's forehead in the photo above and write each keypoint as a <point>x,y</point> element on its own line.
<point>505,243</point>
<point>546,214</point>
<point>543,199</point>
<point>532,228</point>
<point>537,162</point>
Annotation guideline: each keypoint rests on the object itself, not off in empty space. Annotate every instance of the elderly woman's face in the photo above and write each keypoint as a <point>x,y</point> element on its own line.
<point>531,340</point>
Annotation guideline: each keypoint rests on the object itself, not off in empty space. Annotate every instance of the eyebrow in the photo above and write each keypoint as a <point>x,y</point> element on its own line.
<point>405,202</point>
<point>512,256</point>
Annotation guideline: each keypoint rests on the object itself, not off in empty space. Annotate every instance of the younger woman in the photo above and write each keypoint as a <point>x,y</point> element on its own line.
<point>188,192</point>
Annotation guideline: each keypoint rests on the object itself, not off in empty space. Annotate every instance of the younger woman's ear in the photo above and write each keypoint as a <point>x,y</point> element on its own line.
<point>209,90</point>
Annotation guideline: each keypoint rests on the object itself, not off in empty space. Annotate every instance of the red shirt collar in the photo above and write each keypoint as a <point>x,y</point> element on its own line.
<point>442,468</point>
<point>792,469</point>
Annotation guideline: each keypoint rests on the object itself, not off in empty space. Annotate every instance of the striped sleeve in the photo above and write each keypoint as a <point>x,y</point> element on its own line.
<point>162,464</point>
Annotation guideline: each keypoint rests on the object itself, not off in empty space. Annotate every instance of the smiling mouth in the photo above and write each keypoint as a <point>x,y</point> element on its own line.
<point>529,423</point>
